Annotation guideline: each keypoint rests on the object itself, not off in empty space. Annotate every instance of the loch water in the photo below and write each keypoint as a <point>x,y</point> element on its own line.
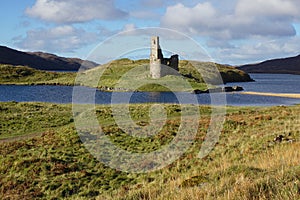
<point>276,83</point>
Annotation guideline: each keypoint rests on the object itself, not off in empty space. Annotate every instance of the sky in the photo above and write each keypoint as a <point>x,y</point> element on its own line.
<point>231,31</point>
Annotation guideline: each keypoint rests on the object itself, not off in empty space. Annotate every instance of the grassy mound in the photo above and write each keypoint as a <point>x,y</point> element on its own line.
<point>200,75</point>
<point>247,163</point>
<point>197,74</point>
<point>28,76</point>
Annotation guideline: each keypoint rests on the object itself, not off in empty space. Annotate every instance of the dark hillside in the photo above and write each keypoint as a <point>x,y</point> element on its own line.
<point>289,65</point>
<point>40,60</point>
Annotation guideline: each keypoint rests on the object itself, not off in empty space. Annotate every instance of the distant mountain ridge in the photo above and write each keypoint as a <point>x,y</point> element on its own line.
<point>290,65</point>
<point>41,60</point>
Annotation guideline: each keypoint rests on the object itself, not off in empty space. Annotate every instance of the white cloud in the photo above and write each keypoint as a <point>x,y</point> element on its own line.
<point>249,31</point>
<point>268,8</point>
<point>58,39</point>
<point>72,11</point>
<point>258,50</point>
<point>129,27</point>
<point>248,18</point>
<point>182,17</point>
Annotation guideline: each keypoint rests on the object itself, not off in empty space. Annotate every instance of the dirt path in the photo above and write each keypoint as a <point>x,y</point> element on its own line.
<point>289,95</point>
<point>20,138</point>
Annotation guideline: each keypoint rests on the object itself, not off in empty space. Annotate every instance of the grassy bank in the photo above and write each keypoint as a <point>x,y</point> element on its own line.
<point>246,163</point>
<point>17,119</point>
<point>112,72</point>
<point>21,75</point>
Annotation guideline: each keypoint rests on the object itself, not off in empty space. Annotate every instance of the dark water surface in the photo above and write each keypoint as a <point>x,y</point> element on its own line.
<point>278,83</point>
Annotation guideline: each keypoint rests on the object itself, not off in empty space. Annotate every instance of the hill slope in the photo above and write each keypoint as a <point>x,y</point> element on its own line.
<point>40,60</point>
<point>289,65</point>
<point>115,71</point>
<point>200,75</point>
<point>22,75</point>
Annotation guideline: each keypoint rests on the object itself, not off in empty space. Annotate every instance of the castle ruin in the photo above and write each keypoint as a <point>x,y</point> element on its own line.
<point>160,66</point>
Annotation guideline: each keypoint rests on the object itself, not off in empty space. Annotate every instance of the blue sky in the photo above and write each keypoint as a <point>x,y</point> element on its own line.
<point>231,31</point>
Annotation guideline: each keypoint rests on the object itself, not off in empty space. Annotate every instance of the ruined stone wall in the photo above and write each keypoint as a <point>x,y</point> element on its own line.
<point>174,62</point>
<point>160,66</point>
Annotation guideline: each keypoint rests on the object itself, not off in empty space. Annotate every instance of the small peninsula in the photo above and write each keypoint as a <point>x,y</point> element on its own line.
<point>25,68</point>
<point>113,71</point>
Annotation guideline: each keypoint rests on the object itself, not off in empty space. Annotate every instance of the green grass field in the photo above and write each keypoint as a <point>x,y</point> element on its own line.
<point>47,160</point>
<point>22,75</point>
<point>111,73</point>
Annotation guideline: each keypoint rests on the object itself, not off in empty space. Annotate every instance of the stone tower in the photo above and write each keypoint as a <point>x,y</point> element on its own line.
<point>160,66</point>
<point>156,58</point>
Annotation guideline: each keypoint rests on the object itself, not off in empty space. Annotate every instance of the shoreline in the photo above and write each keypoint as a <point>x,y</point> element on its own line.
<point>287,95</point>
